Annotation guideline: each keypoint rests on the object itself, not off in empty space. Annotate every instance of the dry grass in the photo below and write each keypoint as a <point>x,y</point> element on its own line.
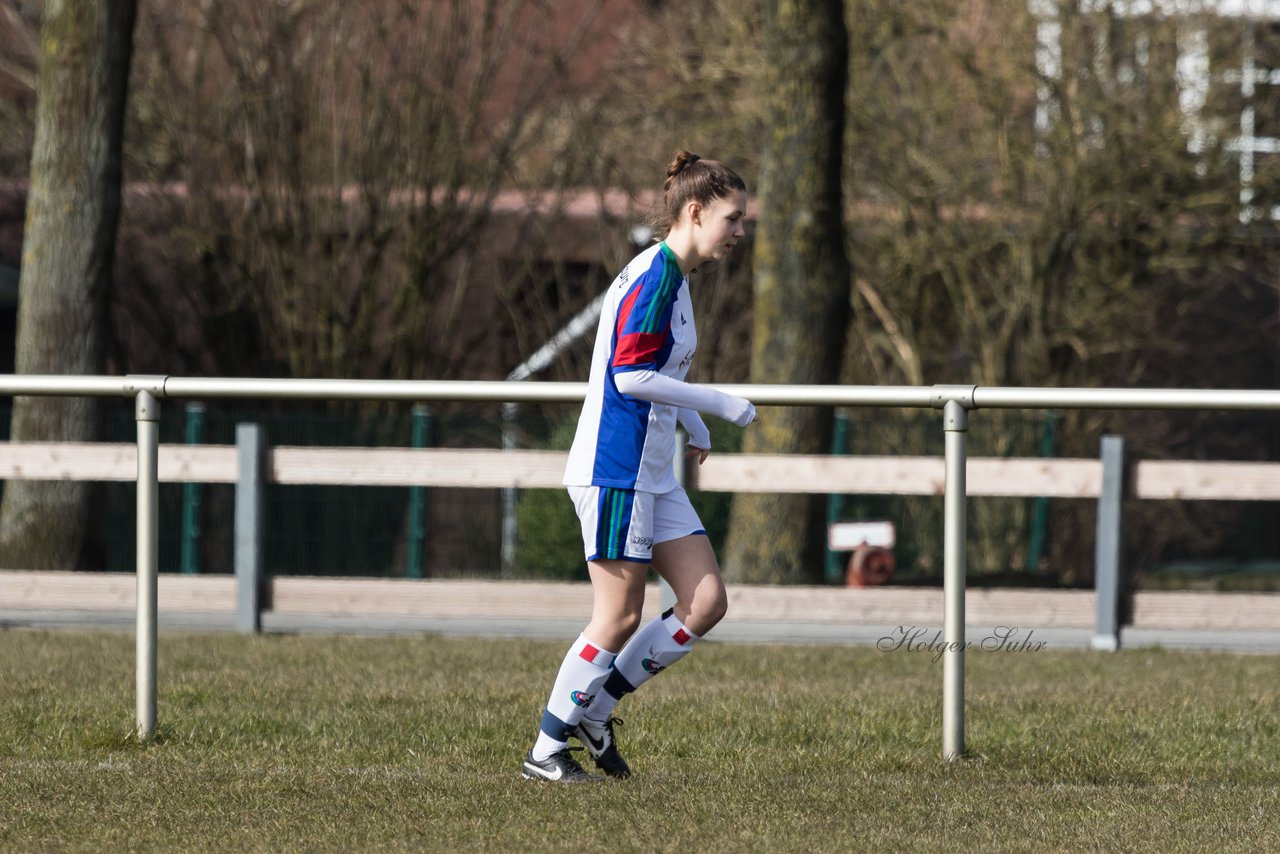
<point>325,743</point>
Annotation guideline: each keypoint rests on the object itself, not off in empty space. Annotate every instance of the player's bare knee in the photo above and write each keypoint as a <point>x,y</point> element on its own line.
<point>628,621</point>
<point>716,605</point>
<point>708,607</point>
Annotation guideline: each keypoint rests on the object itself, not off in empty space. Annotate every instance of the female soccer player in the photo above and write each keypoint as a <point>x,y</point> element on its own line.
<point>633,512</point>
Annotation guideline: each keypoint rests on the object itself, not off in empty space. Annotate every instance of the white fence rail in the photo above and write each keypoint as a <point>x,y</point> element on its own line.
<point>956,402</point>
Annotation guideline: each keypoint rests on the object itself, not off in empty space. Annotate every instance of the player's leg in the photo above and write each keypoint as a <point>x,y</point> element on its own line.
<point>618,589</point>
<point>689,565</point>
<point>687,562</point>
<point>617,599</point>
<point>683,556</point>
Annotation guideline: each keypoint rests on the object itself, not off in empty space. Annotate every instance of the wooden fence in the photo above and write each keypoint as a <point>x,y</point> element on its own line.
<point>1051,478</point>
<point>439,467</point>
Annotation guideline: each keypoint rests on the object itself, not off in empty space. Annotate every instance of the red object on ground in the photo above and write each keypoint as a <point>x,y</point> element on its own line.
<point>869,565</point>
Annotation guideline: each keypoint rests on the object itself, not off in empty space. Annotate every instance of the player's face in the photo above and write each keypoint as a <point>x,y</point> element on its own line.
<point>721,226</point>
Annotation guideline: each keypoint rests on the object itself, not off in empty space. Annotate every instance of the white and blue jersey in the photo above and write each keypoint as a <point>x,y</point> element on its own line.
<point>646,324</point>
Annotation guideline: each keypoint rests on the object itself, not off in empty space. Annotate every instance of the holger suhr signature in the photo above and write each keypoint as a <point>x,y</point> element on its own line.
<point>915,639</point>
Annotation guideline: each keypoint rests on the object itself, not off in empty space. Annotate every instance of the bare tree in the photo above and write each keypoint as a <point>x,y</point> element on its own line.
<point>19,48</point>
<point>73,209</point>
<point>1078,244</point>
<point>801,274</point>
<point>342,165</point>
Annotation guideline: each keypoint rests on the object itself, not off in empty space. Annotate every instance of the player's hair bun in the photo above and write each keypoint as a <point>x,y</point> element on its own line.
<point>682,161</point>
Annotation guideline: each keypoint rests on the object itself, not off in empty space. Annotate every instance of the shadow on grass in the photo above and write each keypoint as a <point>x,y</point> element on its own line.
<point>114,741</point>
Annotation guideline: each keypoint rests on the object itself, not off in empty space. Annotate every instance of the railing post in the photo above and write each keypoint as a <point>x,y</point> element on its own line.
<point>191,497</point>
<point>836,561</point>
<point>510,498</point>
<point>417,534</point>
<point>955,424</point>
<point>251,449</point>
<point>1040,507</point>
<point>147,415</point>
<point>1106,571</point>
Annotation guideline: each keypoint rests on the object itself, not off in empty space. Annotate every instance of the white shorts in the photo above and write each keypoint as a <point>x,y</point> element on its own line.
<point>623,524</point>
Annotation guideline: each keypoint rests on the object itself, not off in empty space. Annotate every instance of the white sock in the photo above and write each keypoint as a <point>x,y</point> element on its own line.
<point>658,645</point>
<point>583,671</point>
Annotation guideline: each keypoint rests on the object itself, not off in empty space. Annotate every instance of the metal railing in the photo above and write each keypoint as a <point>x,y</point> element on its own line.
<point>955,402</point>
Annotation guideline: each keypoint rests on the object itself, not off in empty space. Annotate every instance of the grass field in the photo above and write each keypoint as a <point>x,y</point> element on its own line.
<point>343,743</point>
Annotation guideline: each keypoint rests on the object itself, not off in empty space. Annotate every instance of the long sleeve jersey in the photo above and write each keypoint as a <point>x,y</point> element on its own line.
<point>644,346</point>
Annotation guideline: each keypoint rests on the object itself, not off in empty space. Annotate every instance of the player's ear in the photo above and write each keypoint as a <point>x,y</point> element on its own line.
<point>695,213</point>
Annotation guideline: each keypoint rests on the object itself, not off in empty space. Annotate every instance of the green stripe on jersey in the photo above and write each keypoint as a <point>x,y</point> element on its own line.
<point>670,281</point>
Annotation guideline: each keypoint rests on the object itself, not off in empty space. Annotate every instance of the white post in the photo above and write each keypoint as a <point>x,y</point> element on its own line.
<point>955,424</point>
<point>147,415</point>
<point>1106,564</point>
<point>250,447</point>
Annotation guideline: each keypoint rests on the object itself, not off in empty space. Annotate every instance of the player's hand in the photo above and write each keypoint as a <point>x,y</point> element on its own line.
<point>700,453</point>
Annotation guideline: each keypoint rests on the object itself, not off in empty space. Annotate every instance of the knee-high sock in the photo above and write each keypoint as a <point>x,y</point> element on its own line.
<point>657,646</point>
<point>583,671</point>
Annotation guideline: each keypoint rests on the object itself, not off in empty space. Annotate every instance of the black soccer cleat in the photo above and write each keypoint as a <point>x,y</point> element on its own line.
<point>557,768</point>
<point>600,743</point>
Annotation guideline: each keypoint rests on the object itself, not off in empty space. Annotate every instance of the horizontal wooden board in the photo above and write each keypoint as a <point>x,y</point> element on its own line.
<point>1185,609</point>
<point>1207,480</point>
<point>1065,478</point>
<point>483,468</point>
<point>880,606</point>
<point>114,591</point>
<point>114,461</point>
<point>417,467</point>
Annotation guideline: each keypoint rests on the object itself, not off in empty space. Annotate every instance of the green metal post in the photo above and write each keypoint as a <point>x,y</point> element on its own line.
<point>1040,509</point>
<point>418,498</point>
<point>835,501</point>
<point>191,497</point>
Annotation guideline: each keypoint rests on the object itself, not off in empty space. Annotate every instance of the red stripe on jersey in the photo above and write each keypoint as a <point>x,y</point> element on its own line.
<point>589,652</point>
<point>624,310</point>
<point>638,348</point>
<point>681,637</point>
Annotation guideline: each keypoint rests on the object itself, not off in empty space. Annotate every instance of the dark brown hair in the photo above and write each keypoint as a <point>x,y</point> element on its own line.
<point>690,178</point>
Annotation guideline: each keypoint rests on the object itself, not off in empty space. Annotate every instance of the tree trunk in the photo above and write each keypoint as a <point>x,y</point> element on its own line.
<point>68,246</point>
<point>802,278</point>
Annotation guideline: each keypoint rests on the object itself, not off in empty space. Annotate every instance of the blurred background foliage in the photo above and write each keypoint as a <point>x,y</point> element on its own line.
<point>432,188</point>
